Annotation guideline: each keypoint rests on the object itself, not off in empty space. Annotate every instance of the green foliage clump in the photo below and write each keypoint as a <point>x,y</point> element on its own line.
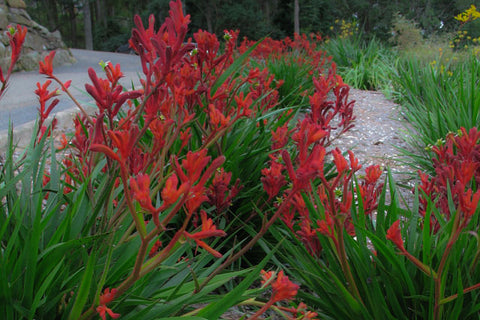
<point>406,33</point>
<point>362,64</point>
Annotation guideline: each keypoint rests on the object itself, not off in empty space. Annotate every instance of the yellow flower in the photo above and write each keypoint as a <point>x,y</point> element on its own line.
<point>468,15</point>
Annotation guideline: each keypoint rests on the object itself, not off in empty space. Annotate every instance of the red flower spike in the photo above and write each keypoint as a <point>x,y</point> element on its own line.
<point>283,288</point>
<point>280,137</point>
<point>170,193</point>
<point>394,235</point>
<point>141,192</point>
<point>194,164</point>
<point>353,162</point>
<point>273,179</point>
<point>302,309</point>
<point>185,137</point>
<point>267,276</point>
<point>103,310</point>
<point>113,73</point>
<point>208,230</point>
<point>219,194</point>
<point>124,140</point>
<point>309,237</point>
<point>105,298</point>
<point>46,66</point>
<point>372,174</point>
<point>340,161</point>
<point>176,14</point>
<point>469,203</point>
<point>16,37</point>
<point>217,119</point>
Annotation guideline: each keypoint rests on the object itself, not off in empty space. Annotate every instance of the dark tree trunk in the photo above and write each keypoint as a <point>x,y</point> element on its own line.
<point>209,18</point>
<point>87,19</point>
<point>101,15</point>
<point>73,23</point>
<point>52,14</point>
<point>296,17</point>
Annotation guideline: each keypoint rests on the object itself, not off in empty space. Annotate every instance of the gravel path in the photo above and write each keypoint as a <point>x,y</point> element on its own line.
<point>377,133</point>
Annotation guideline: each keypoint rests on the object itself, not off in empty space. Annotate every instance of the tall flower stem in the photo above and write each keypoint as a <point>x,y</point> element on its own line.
<point>250,244</point>
<point>456,229</point>
<point>340,243</point>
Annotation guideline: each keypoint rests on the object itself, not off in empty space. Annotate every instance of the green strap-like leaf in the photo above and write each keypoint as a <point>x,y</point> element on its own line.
<point>214,310</point>
<point>84,289</point>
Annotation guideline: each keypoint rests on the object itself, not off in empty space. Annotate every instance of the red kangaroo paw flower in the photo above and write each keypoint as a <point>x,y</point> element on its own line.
<point>105,298</point>
<point>46,66</point>
<point>113,73</point>
<point>273,179</point>
<point>469,203</point>
<point>340,161</point>
<point>103,310</point>
<point>208,230</point>
<point>372,174</point>
<point>170,193</point>
<point>124,140</point>
<point>394,235</point>
<point>17,37</point>
<point>141,192</point>
<point>283,288</point>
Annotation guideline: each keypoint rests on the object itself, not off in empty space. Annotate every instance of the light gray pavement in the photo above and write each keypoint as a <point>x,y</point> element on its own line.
<point>19,104</point>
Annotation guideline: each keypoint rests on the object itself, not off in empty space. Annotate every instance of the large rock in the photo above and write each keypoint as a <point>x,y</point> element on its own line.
<point>38,42</point>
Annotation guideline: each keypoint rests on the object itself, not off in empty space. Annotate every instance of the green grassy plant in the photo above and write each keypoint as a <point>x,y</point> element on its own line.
<point>436,99</point>
<point>433,276</point>
<point>363,65</point>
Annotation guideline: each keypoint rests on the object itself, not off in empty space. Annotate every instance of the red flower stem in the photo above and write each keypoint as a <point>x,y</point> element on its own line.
<point>167,251</point>
<point>340,243</point>
<point>73,100</point>
<point>250,244</point>
<point>420,265</point>
<point>262,310</point>
<point>438,280</point>
<point>139,223</point>
<point>455,296</point>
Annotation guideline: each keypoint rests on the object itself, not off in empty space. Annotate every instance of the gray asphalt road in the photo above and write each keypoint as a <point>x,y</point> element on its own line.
<point>19,104</point>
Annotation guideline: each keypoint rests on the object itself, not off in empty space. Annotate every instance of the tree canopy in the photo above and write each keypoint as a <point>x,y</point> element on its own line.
<point>112,20</point>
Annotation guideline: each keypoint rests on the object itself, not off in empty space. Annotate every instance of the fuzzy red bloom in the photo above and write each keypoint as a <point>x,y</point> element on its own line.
<point>170,193</point>
<point>103,310</point>
<point>340,161</point>
<point>141,192</point>
<point>394,235</point>
<point>217,119</point>
<point>283,288</point>
<point>266,276</point>
<point>113,73</point>
<point>124,140</point>
<point>372,174</point>
<point>273,179</point>
<point>469,203</point>
<point>280,137</point>
<point>208,230</point>
<point>17,37</point>
<point>105,298</point>
<point>46,67</point>
<point>219,194</point>
<point>108,296</point>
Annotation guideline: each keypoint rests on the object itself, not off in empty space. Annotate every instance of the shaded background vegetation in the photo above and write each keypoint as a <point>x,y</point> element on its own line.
<point>112,20</point>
